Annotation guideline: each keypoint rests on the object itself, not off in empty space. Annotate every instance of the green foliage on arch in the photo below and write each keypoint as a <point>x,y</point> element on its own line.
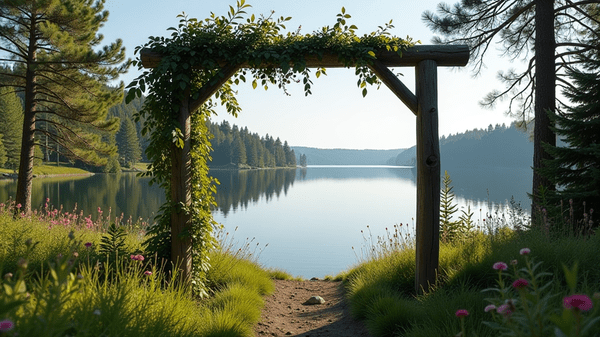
<point>192,58</point>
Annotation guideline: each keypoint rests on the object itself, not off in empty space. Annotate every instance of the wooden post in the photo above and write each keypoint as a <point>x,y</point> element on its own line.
<point>181,195</point>
<point>428,177</point>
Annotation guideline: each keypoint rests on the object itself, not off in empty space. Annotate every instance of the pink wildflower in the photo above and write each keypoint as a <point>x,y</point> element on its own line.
<point>504,309</point>
<point>489,308</point>
<point>578,302</point>
<point>500,266</point>
<point>137,257</point>
<point>147,273</point>
<point>520,283</point>
<point>88,244</point>
<point>525,251</point>
<point>19,206</point>
<point>6,325</point>
<point>462,313</point>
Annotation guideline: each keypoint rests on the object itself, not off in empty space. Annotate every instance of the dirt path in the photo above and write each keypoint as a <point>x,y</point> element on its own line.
<point>285,313</point>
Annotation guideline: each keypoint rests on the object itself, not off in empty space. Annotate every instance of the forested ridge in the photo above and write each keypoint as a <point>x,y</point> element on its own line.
<point>497,146</point>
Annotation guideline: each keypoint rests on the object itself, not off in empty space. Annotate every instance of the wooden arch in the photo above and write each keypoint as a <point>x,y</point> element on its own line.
<point>423,103</point>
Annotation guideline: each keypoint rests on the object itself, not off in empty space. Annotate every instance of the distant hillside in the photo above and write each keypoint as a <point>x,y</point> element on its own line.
<point>316,156</point>
<point>493,147</point>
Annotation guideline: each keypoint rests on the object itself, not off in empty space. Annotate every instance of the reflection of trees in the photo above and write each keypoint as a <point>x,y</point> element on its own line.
<point>122,193</point>
<point>495,184</point>
<point>240,188</point>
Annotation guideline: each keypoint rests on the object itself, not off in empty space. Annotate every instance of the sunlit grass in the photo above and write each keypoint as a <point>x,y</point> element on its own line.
<point>50,169</point>
<point>381,289</point>
<point>57,285</point>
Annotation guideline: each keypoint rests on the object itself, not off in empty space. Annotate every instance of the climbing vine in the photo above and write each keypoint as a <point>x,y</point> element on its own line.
<point>192,58</point>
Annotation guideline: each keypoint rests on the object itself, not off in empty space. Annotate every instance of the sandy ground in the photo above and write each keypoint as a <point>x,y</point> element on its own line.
<point>285,313</point>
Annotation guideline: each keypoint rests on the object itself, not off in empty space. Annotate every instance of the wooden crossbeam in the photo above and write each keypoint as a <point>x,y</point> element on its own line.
<point>446,56</point>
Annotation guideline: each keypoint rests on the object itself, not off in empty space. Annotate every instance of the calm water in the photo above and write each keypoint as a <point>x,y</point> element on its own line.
<point>310,218</point>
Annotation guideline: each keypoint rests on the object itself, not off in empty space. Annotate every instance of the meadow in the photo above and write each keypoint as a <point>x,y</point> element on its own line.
<point>497,282</point>
<point>69,275</point>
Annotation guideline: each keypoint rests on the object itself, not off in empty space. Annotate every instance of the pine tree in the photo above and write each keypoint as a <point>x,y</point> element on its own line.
<point>575,168</point>
<point>11,115</point>
<point>2,151</point>
<point>279,153</point>
<point>545,33</point>
<point>449,229</point>
<point>303,161</point>
<point>238,151</point>
<point>63,73</point>
<point>128,143</point>
<point>290,156</point>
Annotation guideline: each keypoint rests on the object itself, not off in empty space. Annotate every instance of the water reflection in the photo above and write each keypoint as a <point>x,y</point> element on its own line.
<point>123,193</point>
<point>128,194</point>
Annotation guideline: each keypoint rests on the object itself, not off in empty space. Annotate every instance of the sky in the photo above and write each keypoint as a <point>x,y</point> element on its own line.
<point>336,115</point>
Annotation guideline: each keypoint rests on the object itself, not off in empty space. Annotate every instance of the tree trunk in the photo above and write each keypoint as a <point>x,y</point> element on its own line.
<point>25,179</point>
<point>181,196</point>
<point>545,95</point>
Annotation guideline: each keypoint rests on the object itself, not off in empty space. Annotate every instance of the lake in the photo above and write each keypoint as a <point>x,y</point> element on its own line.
<point>310,218</point>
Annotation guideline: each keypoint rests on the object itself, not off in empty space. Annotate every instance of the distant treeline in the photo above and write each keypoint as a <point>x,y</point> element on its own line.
<point>241,148</point>
<point>231,145</point>
<point>317,156</point>
<point>497,146</point>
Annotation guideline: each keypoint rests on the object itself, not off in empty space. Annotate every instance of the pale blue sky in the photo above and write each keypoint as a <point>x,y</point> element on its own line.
<point>336,115</point>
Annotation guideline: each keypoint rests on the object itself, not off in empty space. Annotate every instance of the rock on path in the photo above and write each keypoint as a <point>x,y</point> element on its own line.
<point>286,314</point>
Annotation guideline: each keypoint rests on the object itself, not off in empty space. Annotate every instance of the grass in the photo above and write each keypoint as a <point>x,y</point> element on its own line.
<point>381,289</point>
<point>57,284</point>
<point>50,169</point>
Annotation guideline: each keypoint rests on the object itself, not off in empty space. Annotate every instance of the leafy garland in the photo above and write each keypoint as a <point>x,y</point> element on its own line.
<point>191,58</point>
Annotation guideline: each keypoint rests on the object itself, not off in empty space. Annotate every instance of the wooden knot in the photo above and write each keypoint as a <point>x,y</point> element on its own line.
<point>431,161</point>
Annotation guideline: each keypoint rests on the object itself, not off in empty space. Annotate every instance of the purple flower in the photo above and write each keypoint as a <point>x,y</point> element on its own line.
<point>525,251</point>
<point>578,302</point>
<point>147,273</point>
<point>6,325</point>
<point>88,244</point>
<point>489,308</point>
<point>520,283</point>
<point>461,313</point>
<point>500,266</point>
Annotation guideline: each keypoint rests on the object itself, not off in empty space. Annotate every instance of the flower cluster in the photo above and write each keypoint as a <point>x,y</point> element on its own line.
<point>137,257</point>
<point>527,307</point>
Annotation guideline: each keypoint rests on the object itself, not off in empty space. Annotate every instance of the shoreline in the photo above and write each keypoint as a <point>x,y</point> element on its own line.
<point>233,167</point>
<point>6,176</point>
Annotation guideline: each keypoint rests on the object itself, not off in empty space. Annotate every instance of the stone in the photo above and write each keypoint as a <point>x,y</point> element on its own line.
<point>315,300</point>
